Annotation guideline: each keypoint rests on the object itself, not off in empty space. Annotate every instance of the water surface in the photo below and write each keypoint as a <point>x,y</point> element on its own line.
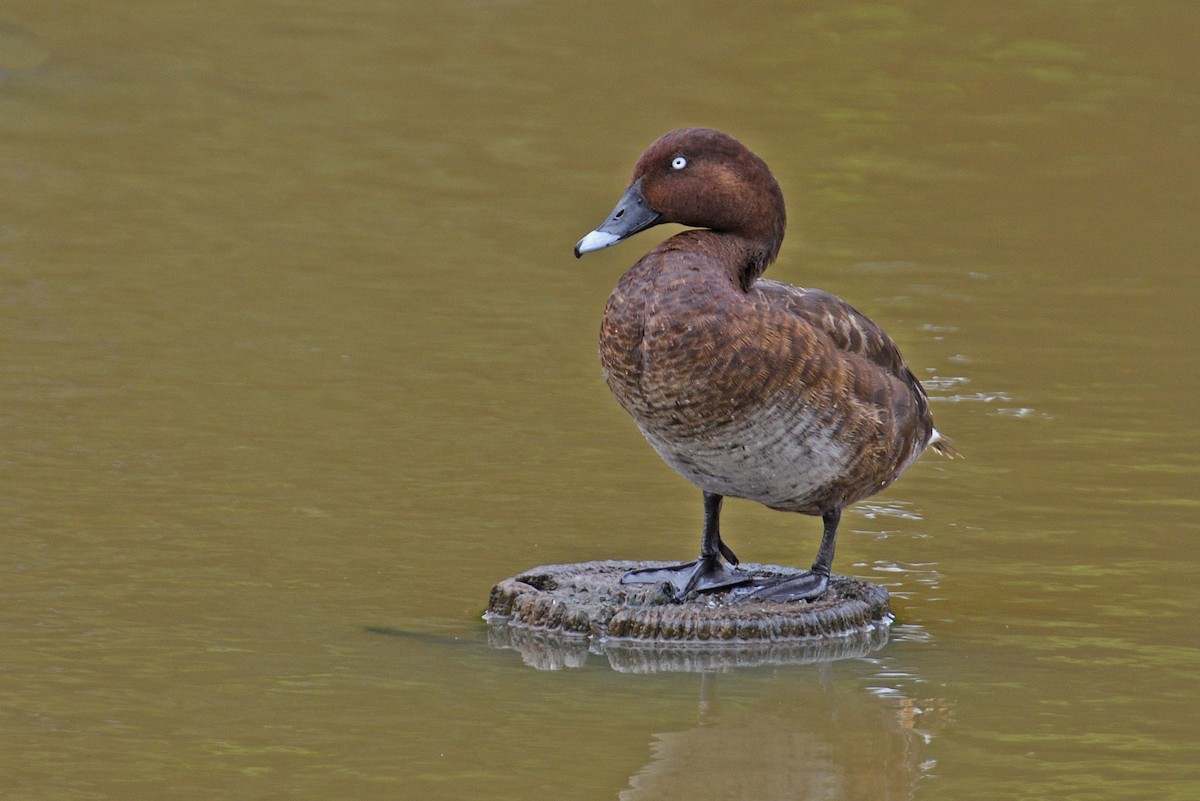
<point>295,352</point>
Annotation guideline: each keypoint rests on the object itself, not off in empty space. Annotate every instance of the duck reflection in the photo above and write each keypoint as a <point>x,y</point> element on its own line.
<point>803,740</point>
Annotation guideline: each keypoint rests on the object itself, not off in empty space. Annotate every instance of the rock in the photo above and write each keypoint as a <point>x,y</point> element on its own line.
<point>555,615</point>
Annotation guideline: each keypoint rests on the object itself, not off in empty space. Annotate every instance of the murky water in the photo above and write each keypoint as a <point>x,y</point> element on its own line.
<point>295,356</point>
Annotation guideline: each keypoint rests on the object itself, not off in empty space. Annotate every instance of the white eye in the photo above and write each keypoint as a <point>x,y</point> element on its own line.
<point>678,163</point>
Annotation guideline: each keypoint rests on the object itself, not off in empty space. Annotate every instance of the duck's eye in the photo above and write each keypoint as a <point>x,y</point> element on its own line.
<point>678,163</point>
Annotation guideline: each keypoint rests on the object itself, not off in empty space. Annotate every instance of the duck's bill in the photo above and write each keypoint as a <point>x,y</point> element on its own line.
<point>631,215</point>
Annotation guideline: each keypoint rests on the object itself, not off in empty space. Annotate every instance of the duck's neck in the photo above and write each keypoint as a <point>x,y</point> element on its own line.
<point>738,259</point>
<point>750,251</point>
<point>757,244</point>
<point>750,257</point>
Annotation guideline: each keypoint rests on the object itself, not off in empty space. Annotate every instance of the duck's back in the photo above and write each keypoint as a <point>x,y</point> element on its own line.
<point>782,395</point>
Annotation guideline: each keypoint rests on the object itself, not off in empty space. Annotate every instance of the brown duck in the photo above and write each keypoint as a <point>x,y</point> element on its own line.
<point>749,388</point>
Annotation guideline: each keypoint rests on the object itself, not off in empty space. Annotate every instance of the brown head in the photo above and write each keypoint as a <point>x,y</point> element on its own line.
<point>702,178</point>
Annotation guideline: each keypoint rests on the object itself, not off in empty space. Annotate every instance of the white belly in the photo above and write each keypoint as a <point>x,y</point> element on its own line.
<point>779,459</point>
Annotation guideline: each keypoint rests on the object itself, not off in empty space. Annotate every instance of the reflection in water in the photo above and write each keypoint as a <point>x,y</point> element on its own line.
<point>953,389</point>
<point>886,508</point>
<point>810,741</point>
<point>547,650</point>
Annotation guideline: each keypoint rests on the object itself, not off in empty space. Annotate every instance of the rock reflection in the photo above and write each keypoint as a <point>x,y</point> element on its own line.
<point>553,651</point>
<point>803,740</point>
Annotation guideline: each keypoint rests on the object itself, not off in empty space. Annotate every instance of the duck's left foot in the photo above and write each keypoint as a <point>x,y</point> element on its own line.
<point>808,586</point>
<point>706,574</point>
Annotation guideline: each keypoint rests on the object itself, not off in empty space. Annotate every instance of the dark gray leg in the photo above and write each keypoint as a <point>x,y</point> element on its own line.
<point>706,573</point>
<point>807,586</point>
<point>824,560</point>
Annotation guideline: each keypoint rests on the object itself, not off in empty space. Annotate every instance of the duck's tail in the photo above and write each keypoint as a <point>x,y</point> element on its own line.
<point>943,446</point>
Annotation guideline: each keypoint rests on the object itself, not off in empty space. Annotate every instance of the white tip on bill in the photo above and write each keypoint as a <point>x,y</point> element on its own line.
<point>595,241</point>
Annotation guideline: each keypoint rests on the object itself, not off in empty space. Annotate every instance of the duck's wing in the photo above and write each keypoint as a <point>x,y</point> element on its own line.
<point>851,332</point>
<point>849,329</point>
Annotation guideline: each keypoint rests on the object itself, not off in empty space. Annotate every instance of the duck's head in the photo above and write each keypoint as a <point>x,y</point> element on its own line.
<point>702,178</point>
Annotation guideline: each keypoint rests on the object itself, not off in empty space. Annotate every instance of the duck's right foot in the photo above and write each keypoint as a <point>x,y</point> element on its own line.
<point>706,574</point>
<point>807,586</point>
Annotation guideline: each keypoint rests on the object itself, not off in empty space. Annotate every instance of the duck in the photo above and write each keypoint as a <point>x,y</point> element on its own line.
<point>748,387</point>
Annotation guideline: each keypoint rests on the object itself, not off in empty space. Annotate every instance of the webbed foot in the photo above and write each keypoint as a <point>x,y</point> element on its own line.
<point>706,574</point>
<point>807,586</point>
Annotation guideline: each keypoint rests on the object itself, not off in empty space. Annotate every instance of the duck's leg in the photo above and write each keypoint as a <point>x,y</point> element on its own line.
<point>808,585</point>
<point>706,573</point>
